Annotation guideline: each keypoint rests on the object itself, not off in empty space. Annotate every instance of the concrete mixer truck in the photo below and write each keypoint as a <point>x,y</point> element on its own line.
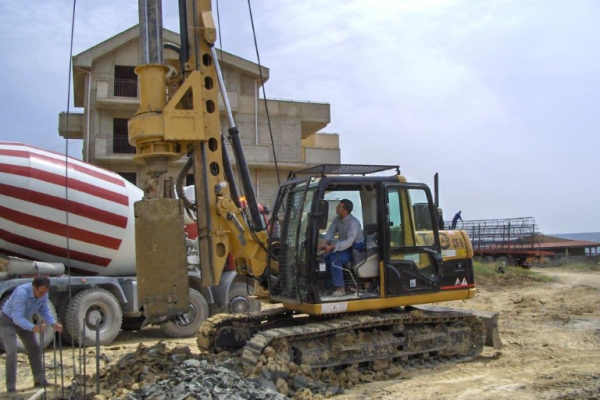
<point>74,222</point>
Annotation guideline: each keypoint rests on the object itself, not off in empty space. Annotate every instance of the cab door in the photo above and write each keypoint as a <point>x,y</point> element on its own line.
<point>411,242</point>
<point>289,281</point>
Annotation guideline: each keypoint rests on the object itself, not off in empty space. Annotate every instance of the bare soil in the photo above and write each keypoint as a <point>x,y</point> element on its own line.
<point>550,331</point>
<point>551,337</point>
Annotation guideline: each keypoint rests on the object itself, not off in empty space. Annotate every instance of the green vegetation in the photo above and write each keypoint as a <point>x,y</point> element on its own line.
<point>489,276</point>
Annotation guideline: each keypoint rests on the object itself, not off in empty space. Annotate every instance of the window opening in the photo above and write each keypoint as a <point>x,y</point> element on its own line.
<point>121,137</point>
<point>126,82</point>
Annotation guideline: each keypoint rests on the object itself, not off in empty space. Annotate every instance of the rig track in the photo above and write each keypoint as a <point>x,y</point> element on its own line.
<point>410,337</point>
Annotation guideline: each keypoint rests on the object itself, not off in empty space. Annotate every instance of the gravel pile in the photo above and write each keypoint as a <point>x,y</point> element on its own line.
<point>203,379</point>
<point>160,373</point>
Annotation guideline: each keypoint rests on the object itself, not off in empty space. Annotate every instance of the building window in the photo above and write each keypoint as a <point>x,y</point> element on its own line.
<point>129,176</point>
<point>120,137</point>
<point>126,82</point>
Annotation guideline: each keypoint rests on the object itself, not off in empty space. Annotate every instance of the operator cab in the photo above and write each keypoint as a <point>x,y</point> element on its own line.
<point>401,254</point>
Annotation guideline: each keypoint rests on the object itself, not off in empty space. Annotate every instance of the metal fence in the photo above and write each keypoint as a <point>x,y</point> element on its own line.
<point>121,145</point>
<point>126,88</point>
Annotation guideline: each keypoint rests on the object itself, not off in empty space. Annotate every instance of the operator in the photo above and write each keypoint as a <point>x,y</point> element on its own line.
<point>15,317</point>
<point>336,255</point>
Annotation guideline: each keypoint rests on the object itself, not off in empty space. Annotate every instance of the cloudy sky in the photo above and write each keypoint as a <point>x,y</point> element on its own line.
<point>500,97</point>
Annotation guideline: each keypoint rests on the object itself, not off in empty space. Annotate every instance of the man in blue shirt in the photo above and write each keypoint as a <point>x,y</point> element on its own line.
<point>25,301</point>
<point>336,255</point>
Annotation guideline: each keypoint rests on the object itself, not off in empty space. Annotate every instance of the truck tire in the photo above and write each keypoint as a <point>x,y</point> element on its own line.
<point>88,306</point>
<point>48,333</point>
<point>238,302</point>
<point>187,325</point>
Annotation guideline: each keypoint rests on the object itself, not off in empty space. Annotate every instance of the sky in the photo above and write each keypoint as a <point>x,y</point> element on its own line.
<point>499,97</point>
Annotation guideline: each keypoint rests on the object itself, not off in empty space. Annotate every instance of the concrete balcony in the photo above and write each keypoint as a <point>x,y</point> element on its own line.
<point>74,129</point>
<point>261,156</point>
<point>117,95</point>
<point>316,156</point>
<point>114,95</point>
<point>322,140</point>
<point>320,147</point>
<point>313,116</point>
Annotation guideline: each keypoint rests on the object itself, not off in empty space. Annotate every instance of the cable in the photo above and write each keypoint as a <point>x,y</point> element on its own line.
<point>67,140</point>
<point>67,163</point>
<point>220,32</point>
<point>262,81</point>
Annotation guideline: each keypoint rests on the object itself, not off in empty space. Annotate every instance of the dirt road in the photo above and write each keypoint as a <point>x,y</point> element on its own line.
<point>551,337</point>
<point>550,331</point>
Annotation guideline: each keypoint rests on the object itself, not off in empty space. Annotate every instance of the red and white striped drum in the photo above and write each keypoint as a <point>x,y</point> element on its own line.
<point>55,208</point>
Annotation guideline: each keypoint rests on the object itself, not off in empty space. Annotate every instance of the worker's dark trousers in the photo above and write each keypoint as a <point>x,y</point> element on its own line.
<point>9,336</point>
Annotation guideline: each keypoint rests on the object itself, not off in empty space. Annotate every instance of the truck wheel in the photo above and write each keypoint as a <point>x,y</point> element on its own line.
<point>48,333</point>
<point>87,307</point>
<point>188,324</point>
<point>239,303</point>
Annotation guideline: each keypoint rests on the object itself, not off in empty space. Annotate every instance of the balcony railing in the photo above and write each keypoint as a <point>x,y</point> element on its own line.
<point>126,88</point>
<point>121,146</point>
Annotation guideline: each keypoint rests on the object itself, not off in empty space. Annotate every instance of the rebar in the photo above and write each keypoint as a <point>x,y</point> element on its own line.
<point>55,366</point>
<point>42,348</point>
<point>502,234</point>
<point>98,356</point>
<point>82,344</point>
<point>62,375</point>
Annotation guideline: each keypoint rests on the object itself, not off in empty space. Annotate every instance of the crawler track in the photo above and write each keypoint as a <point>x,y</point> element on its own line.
<point>409,337</point>
<point>230,332</point>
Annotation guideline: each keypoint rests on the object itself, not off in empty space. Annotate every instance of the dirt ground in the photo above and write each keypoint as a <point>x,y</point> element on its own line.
<point>551,337</point>
<point>550,331</point>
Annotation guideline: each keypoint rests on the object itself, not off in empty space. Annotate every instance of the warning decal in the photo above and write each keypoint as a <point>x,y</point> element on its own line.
<point>333,308</point>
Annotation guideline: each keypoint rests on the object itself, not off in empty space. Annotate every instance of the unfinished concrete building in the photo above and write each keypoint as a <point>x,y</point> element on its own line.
<point>106,87</point>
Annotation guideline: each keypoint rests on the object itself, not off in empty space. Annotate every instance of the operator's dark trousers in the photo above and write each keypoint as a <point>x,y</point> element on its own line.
<point>10,330</point>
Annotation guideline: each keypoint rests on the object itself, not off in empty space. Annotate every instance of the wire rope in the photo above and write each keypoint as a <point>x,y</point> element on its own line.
<point>262,81</point>
<point>67,167</point>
